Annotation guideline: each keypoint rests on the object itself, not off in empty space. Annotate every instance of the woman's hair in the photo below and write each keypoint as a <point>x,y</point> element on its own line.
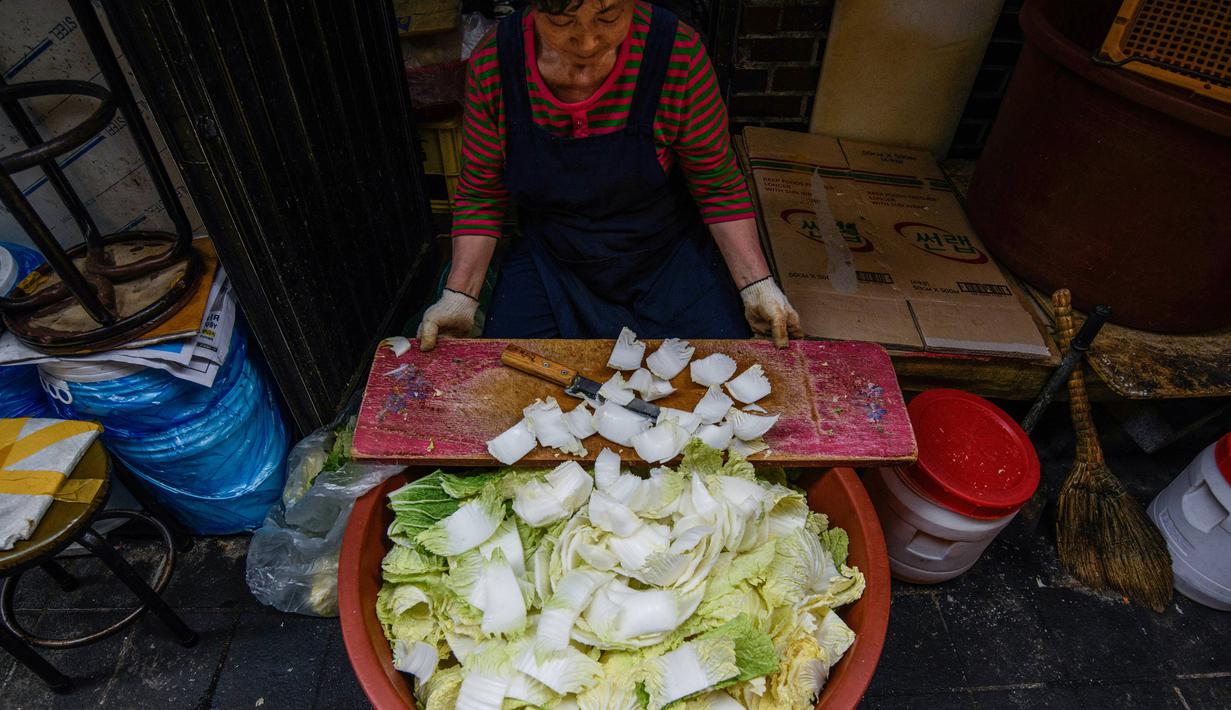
<point>556,7</point>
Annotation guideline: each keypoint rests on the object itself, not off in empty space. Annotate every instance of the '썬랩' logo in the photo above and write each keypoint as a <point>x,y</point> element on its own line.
<point>804,223</point>
<point>939,242</point>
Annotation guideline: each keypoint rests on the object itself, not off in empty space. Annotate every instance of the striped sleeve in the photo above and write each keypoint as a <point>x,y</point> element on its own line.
<point>482,199</point>
<point>703,142</point>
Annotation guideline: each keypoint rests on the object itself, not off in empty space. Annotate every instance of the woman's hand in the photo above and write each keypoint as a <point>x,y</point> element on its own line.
<point>452,315</point>
<point>765,307</point>
<point>768,311</point>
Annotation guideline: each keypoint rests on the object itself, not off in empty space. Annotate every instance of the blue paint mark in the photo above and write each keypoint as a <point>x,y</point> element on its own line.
<point>872,399</point>
<point>408,385</point>
<point>132,224</point>
<point>72,157</point>
<point>30,56</point>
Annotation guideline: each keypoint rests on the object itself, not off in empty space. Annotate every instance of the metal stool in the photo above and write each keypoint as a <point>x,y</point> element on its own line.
<point>64,524</point>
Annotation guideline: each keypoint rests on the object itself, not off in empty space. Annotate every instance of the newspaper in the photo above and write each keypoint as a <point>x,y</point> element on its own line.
<point>195,359</point>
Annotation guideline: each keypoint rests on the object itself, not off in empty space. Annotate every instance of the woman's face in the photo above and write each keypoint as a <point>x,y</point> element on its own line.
<point>588,31</point>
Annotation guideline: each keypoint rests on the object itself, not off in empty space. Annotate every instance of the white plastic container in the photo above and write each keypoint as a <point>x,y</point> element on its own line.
<point>1194,515</point>
<point>976,469</point>
<point>8,271</point>
<point>899,73</point>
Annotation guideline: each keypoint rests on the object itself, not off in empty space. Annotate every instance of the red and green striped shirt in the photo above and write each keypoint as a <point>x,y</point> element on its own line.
<point>690,127</point>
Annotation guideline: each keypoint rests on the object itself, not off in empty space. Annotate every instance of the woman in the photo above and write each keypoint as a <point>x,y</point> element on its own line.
<point>601,120</point>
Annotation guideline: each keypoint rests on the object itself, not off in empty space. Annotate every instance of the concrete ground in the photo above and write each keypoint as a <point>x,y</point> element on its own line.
<point>1014,632</point>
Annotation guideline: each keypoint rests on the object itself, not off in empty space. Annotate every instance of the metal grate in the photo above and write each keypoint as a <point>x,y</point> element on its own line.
<point>1186,43</point>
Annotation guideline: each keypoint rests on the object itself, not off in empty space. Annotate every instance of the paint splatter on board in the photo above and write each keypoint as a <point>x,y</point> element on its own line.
<point>872,398</point>
<point>407,384</point>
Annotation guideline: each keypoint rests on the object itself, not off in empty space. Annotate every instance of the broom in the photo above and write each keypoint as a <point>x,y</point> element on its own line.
<point>1102,535</point>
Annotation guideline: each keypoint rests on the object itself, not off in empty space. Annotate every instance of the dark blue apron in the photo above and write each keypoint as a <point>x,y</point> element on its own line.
<point>608,238</point>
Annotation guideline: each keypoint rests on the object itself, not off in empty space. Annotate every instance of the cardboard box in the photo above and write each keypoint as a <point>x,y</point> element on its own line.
<point>869,243</point>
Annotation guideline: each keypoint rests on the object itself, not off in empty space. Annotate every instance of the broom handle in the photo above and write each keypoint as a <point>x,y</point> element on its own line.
<point>1088,448</point>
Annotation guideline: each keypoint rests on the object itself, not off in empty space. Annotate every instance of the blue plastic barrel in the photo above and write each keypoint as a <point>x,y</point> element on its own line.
<point>21,395</point>
<point>216,456</point>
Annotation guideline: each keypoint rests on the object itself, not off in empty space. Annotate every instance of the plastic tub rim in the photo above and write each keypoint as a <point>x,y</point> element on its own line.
<point>1046,38</point>
<point>386,689</point>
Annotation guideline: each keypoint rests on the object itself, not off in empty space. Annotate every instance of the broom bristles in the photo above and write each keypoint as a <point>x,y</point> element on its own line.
<point>1105,539</point>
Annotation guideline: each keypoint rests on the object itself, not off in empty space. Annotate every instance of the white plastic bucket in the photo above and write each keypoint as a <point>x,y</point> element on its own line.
<point>1194,515</point>
<point>8,271</point>
<point>927,543</point>
<point>976,468</point>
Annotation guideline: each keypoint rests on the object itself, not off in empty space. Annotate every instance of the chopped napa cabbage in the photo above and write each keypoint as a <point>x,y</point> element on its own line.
<point>619,425</point>
<point>416,658</point>
<point>627,353</point>
<point>512,443</point>
<point>717,436</point>
<point>467,486</point>
<point>616,390</point>
<point>471,524</point>
<point>703,586</point>
<point>606,469</point>
<point>606,513</point>
<point>508,541</point>
<point>713,406</point>
<point>564,671</point>
<point>836,542</point>
<point>834,636</point>
<point>580,421</point>
<point>693,667</point>
<point>550,427</point>
<point>411,564</point>
<point>537,505</point>
<point>560,612</point>
<point>661,443</point>
<point>619,679</point>
<point>555,498</point>
<point>645,540</point>
<point>481,691</point>
<point>750,386</point>
<point>498,595</point>
<point>712,370</point>
<point>441,690</point>
<point>670,358</point>
<point>417,506</point>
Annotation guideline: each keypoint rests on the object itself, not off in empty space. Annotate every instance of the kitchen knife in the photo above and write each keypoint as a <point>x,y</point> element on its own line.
<point>572,381</point>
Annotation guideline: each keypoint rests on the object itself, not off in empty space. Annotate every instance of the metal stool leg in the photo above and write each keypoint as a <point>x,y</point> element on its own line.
<point>30,659</point>
<point>62,576</point>
<point>183,539</point>
<point>149,598</point>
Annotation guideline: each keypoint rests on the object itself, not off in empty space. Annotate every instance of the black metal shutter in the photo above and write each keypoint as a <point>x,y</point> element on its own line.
<point>291,124</point>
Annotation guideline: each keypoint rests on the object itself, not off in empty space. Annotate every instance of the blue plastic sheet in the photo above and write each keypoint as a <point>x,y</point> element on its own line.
<point>215,456</point>
<point>21,393</point>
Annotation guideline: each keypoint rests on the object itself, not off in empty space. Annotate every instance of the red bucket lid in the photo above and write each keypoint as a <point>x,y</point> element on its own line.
<point>973,458</point>
<point>1222,456</point>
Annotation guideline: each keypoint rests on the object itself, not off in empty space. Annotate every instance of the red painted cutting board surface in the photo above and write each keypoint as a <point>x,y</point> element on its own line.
<point>839,401</point>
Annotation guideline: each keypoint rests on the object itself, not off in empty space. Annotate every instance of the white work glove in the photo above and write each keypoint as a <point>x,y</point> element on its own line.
<point>769,313</point>
<point>452,315</point>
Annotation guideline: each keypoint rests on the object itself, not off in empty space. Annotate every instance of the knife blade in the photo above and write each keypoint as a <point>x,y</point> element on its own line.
<point>573,382</point>
<point>586,387</point>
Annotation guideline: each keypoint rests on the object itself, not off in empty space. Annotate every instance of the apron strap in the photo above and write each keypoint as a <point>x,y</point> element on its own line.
<point>511,51</point>
<point>659,44</point>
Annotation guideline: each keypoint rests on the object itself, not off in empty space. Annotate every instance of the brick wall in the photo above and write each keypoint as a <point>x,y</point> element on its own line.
<point>778,61</point>
<point>990,84</point>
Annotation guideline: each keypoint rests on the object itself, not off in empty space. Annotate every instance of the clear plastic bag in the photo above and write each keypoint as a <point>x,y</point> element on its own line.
<point>293,557</point>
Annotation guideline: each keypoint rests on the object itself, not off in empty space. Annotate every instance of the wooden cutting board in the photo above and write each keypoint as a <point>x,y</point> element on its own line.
<point>839,401</point>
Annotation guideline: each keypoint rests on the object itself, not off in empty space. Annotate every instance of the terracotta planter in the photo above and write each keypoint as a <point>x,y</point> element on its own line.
<point>1105,182</point>
<point>836,492</point>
